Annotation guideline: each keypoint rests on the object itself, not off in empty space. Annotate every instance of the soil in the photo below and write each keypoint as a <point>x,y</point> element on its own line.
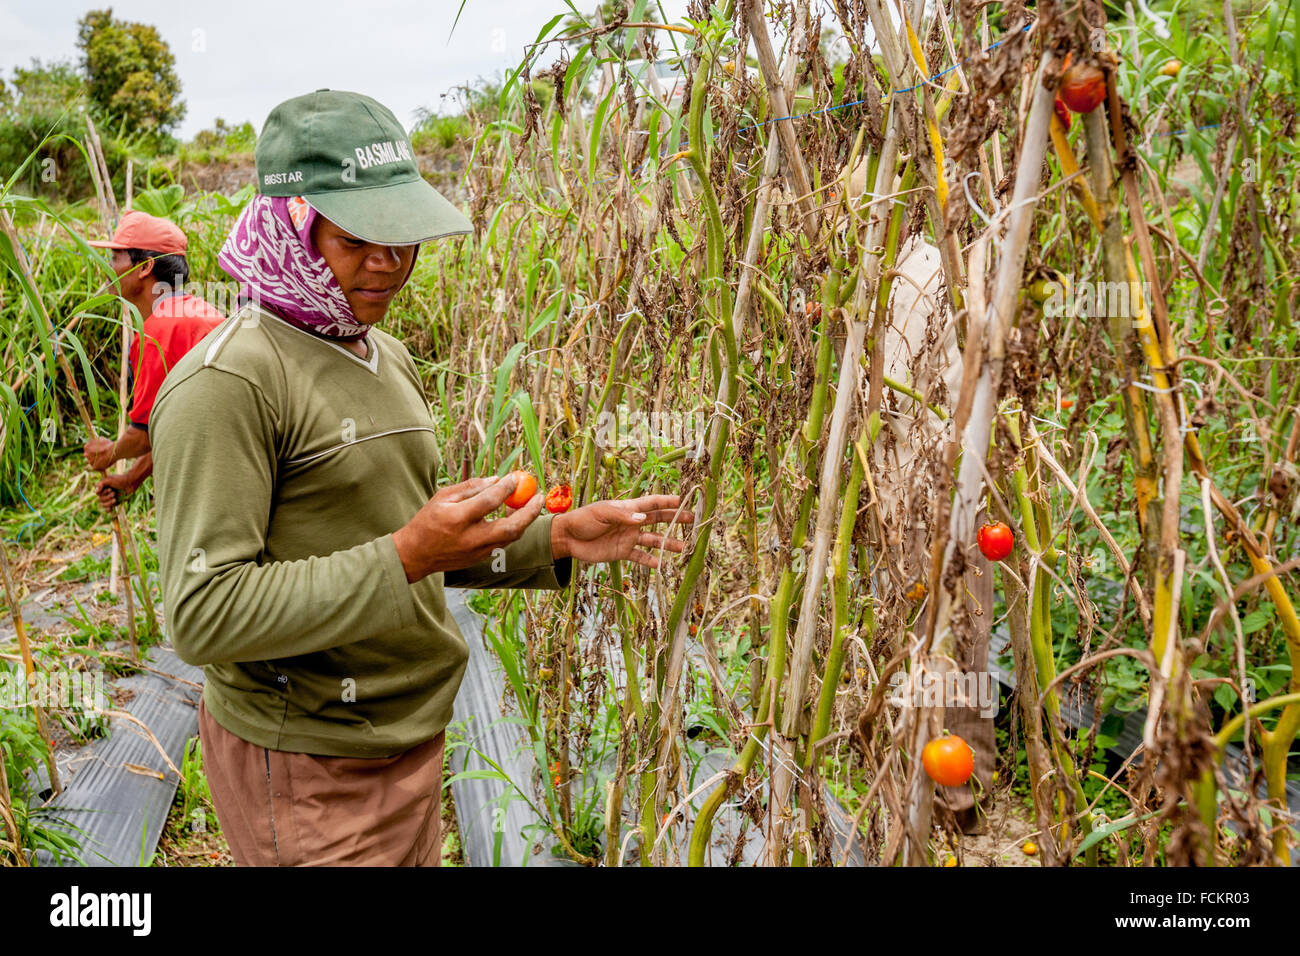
<point>1007,827</point>
<point>183,844</point>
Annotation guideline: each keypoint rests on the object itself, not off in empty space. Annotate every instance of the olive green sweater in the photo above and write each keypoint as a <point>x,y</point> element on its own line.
<point>283,463</point>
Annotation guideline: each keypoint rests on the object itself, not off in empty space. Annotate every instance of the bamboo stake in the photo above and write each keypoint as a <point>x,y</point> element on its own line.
<point>726,373</point>
<point>97,156</point>
<point>975,437</point>
<point>29,670</point>
<point>776,86</point>
<point>114,563</point>
<point>120,526</point>
<point>108,215</point>
<point>7,815</point>
<point>828,490</point>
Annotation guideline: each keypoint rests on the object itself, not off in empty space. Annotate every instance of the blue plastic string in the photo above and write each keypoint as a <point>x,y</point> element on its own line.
<point>1180,132</point>
<point>22,423</point>
<point>909,89</point>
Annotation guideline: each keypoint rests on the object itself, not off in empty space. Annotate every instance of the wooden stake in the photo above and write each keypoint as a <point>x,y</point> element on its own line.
<point>122,391</point>
<point>121,529</point>
<point>29,670</point>
<point>798,172</point>
<point>128,598</point>
<point>97,158</point>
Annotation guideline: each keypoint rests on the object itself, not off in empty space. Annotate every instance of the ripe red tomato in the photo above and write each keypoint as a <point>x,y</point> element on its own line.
<point>1083,87</point>
<point>525,488</point>
<point>559,499</point>
<point>948,760</point>
<point>1062,113</point>
<point>996,541</point>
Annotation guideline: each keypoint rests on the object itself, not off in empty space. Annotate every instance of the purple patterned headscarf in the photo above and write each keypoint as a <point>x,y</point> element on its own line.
<point>270,252</point>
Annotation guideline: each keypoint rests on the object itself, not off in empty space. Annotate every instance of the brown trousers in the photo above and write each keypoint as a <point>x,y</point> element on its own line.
<point>291,809</point>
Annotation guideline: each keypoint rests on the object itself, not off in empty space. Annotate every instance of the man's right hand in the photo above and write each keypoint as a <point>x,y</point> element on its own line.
<point>451,531</point>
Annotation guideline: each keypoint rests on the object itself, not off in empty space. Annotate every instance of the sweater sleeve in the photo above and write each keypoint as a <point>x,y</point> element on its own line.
<point>214,442</point>
<point>527,563</point>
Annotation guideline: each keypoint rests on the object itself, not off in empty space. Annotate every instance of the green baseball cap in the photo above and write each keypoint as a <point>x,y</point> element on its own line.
<point>349,157</point>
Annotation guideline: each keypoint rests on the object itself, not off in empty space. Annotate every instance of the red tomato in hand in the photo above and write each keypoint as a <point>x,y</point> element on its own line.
<point>525,488</point>
<point>996,541</point>
<point>948,760</point>
<point>559,499</point>
<point>1083,87</point>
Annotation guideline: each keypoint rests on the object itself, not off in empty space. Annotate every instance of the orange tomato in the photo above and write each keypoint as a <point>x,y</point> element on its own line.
<point>525,488</point>
<point>559,499</point>
<point>948,760</point>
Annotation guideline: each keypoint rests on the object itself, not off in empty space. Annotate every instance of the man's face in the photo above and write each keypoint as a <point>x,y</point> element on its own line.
<point>370,274</point>
<point>128,287</point>
<point>133,282</point>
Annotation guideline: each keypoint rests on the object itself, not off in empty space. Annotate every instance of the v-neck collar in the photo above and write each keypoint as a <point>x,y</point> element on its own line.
<point>370,362</point>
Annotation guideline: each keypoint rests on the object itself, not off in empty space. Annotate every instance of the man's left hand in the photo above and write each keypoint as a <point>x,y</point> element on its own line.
<point>113,490</point>
<point>615,530</point>
<point>100,453</point>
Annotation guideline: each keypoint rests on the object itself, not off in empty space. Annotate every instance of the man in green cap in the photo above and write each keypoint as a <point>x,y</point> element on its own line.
<point>303,540</point>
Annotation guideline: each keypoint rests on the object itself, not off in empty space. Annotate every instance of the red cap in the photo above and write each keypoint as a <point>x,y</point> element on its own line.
<point>139,230</point>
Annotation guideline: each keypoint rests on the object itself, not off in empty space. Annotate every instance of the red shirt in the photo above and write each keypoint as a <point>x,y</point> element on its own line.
<point>175,326</point>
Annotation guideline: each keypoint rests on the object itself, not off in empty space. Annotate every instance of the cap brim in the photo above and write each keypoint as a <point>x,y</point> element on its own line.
<point>394,215</point>
<point>107,244</point>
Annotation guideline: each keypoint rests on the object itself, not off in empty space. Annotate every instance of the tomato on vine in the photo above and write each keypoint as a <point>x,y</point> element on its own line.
<point>948,761</point>
<point>996,540</point>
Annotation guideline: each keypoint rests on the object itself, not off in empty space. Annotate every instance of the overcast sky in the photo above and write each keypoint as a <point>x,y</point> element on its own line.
<point>239,58</point>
